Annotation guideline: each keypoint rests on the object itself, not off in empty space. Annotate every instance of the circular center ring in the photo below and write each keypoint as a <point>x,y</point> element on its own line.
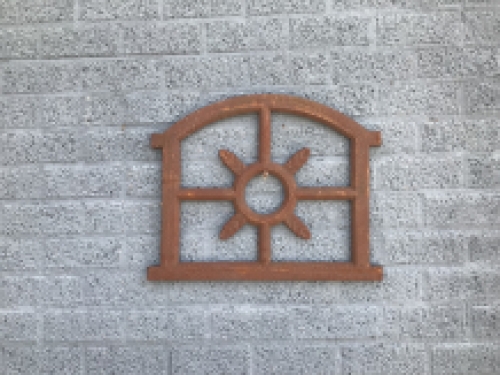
<point>285,177</point>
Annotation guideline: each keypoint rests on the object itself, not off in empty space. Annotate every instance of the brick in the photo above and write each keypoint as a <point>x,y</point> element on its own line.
<point>436,28</point>
<point>118,10</point>
<point>18,327</point>
<point>18,43</point>
<point>328,31</point>
<point>64,326</point>
<point>40,77</point>
<point>201,9</point>
<point>60,360</point>
<point>355,99</point>
<point>454,283</point>
<point>268,70</point>
<point>373,66</point>
<point>417,97</point>
<point>108,75</point>
<point>433,321</point>
<point>142,217</point>
<point>441,62</point>
<point>255,34</point>
<point>396,209</point>
<point>485,321</point>
<point>172,324</point>
<point>81,40</point>
<point>418,172</point>
<point>476,135</point>
<point>480,61</point>
<point>337,322</point>
<point>153,107</point>
<point>105,109</point>
<point>176,38</point>
<point>208,360</point>
<point>250,322</point>
<point>421,247</point>
<point>482,96</point>
<point>399,284</point>
<point>310,68</point>
<point>65,291</point>
<point>470,209</point>
<point>265,7</point>
<point>20,360</point>
<point>397,136</point>
<point>384,359</point>
<point>147,360</point>
<point>8,11</point>
<point>84,181</point>
<point>19,254</point>
<point>141,251</point>
<point>105,217</point>
<point>82,252</point>
<point>18,291</point>
<point>33,11</point>
<point>22,182</point>
<point>144,180</point>
<point>483,171</point>
<point>484,246</point>
<point>482,27</point>
<point>458,359</point>
<point>205,73</point>
<point>289,359</point>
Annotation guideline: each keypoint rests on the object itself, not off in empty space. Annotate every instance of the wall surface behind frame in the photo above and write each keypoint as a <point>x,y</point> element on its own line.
<point>83,85</point>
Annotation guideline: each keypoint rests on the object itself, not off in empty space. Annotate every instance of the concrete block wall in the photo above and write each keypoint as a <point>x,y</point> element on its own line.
<point>83,85</point>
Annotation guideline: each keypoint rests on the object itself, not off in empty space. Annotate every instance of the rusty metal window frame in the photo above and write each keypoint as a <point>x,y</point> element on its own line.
<point>361,139</point>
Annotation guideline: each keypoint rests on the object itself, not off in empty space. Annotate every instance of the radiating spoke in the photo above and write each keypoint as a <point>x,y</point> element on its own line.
<point>232,161</point>
<point>265,243</point>
<point>265,135</point>
<point>297,160</point>
<point>298,227</point>
<point>206,194</point>
<point>325,193</point>
<point>232,226</point>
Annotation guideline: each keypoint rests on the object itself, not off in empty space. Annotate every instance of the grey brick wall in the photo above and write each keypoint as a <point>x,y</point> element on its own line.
<point>83,85</point>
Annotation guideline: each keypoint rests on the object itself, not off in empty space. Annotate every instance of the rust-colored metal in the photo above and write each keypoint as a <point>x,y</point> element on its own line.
<point>264,269</point>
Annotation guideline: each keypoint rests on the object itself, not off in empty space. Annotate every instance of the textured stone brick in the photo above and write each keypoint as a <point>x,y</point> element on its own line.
<point>61,360</point>
<point>18,327</point>
<point>20,360</point>
<point>417,172</point>
<point>290,359</point>
<point>8,12</point>
<point>484,246</point>
<point>170,324</point>
<point>390,359</point>
<point>82,252</point>
<point>476,135</point>
<point>84,181</point>
<point>482,27</point>
<point>418,97</point>
<point>40,77</point>
<point>208,360</point>
<point>441,62</point>
<point>485,321</point>
<point>268,70</point>
<point>458,359</point>
<point>310,68</point>
<point>398,136</point>
<point>454,283</point>
<point>176,38</point>
<point>22,182</point>
<point>399,284</point>
<point>205,73</point>
<point>144,180</point>
<point>72,41</point>
<point>19,291</point>
<point>383,64</point>
<point>19,254</point>
<point>251,322</point>
<point>396,209</point>
<point>255,34</point>
<point>61,291</point>
<point>425,28</point>
<point>470,209</point>
<point>105,109</point>
<point>199,9</point>
<point>130,360</point>
<point>263,7</point>
<point>482,96</point>
<point>18,43</point>
<point>337,322</point>
<point>141,251</point>
<point>328,31</point>
<point>480,61</point>
<point>33,11</point>
<point>118,10</point>
<point>483,172</point>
